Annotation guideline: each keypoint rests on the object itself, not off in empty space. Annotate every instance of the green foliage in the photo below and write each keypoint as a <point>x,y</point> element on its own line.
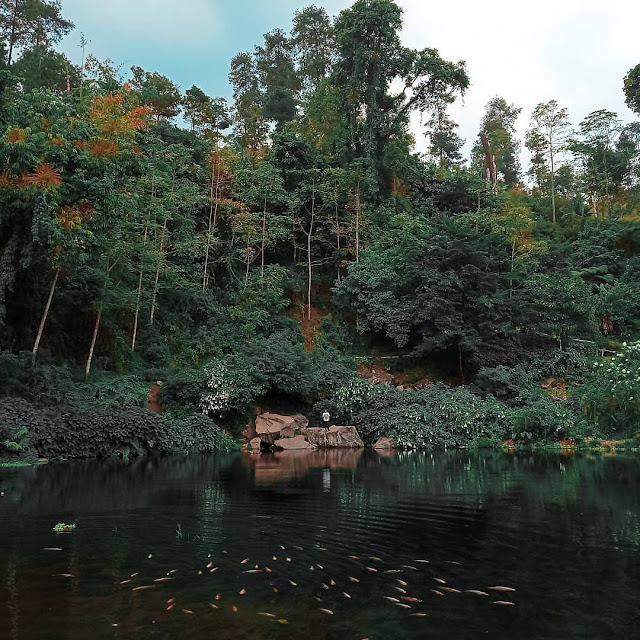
<point>611,394</point>
<point>71,432</point>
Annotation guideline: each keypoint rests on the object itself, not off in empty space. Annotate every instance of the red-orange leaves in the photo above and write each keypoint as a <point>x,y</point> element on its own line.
<point>17,136</point>
<point>43,177</point>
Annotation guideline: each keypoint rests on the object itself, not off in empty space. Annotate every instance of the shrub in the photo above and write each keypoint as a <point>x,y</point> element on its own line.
<point>72,432</point>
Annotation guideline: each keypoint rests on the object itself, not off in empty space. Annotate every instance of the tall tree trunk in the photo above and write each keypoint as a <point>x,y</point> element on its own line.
<point>513,259</point>
<point>96,327</point>
<point>460,363</point>
<point>135,322</point>
<point>246,274</point>
<point>44,316</point>
<point>358,223</point>
<point>553,179</point>
<point>264,239</point>
<point>309,264</point>
<point>338,238</point>
<point>157,278</point>
<point>12,36</point>
<point>213,212</point>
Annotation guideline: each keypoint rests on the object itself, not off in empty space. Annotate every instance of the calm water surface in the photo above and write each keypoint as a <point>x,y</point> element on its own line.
<point>355,534</point>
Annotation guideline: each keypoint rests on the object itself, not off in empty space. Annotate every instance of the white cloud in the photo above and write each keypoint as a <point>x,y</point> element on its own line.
<point>576,51</point>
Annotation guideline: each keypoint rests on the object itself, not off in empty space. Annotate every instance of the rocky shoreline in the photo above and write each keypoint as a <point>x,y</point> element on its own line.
<point>292,433</point>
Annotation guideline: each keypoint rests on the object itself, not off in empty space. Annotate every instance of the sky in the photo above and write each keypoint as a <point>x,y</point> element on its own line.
<point>574,51</point>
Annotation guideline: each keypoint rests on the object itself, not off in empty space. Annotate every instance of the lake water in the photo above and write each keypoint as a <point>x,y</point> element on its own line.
<point>323,546</point>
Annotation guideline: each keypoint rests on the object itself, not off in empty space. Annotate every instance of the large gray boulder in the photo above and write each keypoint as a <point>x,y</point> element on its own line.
<point>335,437</point>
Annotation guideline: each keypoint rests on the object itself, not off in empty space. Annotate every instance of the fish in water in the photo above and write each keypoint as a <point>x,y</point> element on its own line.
<point>504,603</point>
<point>266,615</point>
<point>327,611</point>
<point>476,592</point>
<point>288,559</point>
<point>372,570</point>
<point>163,579</point>
<point>298,548</point>
<point>400,589</point>
<point>419,615</point>
<point>171,606</point>
<point>218,596</point>
<point>51,549</point>
<point>187,611</point>
<point>125,581</point>
<point>254,571</point>
<point>319,566</point>
<point>422,562</point>
<point>503,589</point>
<point>295,584</point>
<point>244,561</point>
<point>354,557</point>
<point>242,592</point>
<point>213,570</point>
<point>213,606</point>
<point>346,595</point>
<point>171,600</point>
<point>325,585</point>
<point>234,608</point>
<point>133,575</point>
<point>353,579</point>
<point>63,575</point>
<point>375,558</point>
<point>146,586</point>
<point>440,581</point>
<point>438,593</point>
<point>333,582</point>
<point>391,599</point>
<point>210,565</point>
<point>410,599</point>
<point>401,604</point>
<point>402,582</point>
<point>450,590</point>
<point>393,571</point>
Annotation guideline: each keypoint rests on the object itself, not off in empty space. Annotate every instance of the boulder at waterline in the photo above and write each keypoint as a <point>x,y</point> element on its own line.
<point>335,437</point>
<point>293,444</point>
<point>271,427</point>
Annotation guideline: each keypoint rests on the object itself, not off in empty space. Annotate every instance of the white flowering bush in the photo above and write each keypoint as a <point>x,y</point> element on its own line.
<point>611,396</point>
<point>230,385</point>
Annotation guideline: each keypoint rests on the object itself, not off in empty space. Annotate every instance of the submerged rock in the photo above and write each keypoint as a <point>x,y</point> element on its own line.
<point>335,436</point>
<point>293,444</point>
<point>385,443</point>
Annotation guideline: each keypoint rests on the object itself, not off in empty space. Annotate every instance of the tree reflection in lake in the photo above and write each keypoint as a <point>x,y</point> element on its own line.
<point>290,534</point>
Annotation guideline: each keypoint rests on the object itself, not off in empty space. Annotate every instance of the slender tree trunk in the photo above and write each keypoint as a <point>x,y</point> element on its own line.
<point>96,327</point>
<point>338,238</point>
<point>513,259</point>
<point>44,316</point>
<point>157,278</point>
<point>135,322</point>
<point>309,265</point>
<point>358,223</point>
<point>264,239</point>
<point>12,36</point>
<point>213,213</point>
<point>460,363</point>
<point>246,274</point>
<point>553,180</point>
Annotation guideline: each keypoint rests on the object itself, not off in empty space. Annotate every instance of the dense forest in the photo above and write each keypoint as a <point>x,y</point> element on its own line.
<point>290,248</point>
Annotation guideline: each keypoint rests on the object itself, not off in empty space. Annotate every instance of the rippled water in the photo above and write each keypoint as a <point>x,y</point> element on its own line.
<point>351,533</point>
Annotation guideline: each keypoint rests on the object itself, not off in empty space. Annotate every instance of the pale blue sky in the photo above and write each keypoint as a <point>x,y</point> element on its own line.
<point>576,51</point>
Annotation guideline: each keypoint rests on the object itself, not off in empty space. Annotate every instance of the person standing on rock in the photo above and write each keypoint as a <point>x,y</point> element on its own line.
<point>326,417</point>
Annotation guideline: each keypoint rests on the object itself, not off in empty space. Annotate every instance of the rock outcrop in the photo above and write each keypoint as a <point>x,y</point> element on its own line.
<point>335,437</point>
<point>271,427</point>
